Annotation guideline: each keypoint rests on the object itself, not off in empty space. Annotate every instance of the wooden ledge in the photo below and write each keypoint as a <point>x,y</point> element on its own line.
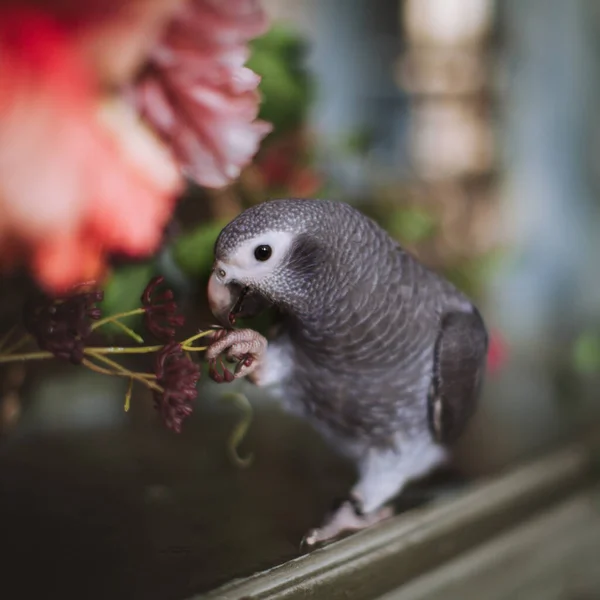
<point>377,561</point>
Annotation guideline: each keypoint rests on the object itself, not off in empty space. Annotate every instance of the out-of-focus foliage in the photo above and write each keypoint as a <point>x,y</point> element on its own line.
<point>586,353</point>
<point>285,168</point>
<point>418,220</point>
<point>357,143</point>
<point>286,88</point>
<point>411,224</point>
<point>472,275</point>
<point>122,292</point>
<point>193,251</point>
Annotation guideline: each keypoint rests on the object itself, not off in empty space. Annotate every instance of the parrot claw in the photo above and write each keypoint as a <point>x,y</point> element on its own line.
<point>244,346</point>
<point>347,518</point>
<point>224,376</point>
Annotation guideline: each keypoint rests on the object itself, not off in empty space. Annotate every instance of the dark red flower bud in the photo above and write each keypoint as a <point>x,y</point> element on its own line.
<point>62,325</point>
<point>160,316</point>
<point>177,375</point>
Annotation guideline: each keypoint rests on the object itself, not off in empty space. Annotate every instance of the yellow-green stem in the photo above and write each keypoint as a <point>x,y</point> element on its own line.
<point>123,315</point>
<point>122,350</point>
<point>126,372</point>
<point>128,395</point>
<point>18,344</point>
<point>7,336</point>
<point>97,369</point>
<point>92,351</point>
<point>130,332</point>
<point>8,355</point>
<point>240,430</point>
<point>6,358</point>
<point>197,337</point>
<point>194,348</point>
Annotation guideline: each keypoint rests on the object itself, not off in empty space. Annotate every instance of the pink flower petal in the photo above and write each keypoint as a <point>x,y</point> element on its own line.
<point>80,177</point>
<point>198,94</point>
<point>72,188</point>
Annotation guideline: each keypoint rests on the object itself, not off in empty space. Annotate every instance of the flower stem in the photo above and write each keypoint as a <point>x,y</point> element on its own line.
<point>98,369</point>
<point>128,395</point>
<point>199,335</point>
<point>18,344</point>
<point>240,430</point>
<point>132,377</point>
<point>93,351</point>
<point>5,358</point>
<point>130,332</point>
<point>122,350</point>
<point>112,318</point>
<point>7,336</point>
<point>194,348</point>
<point>121,370</point>
<point>7,355</point>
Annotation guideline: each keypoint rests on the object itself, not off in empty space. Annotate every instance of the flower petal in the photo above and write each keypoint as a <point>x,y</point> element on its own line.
<point>197,93</point>
<point>76,182</point>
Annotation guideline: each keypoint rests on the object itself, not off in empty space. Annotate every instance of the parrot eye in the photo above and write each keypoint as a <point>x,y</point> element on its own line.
<point>262,253</point>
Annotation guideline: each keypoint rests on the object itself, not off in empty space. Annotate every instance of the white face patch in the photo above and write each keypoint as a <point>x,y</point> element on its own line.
<point>243,266</point>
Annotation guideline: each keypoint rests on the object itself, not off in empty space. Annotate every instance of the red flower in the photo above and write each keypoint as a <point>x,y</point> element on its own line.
<point>178,376</point>
<point>197,93</point>
<point>283,167</point>
<point>63,325</point>
<point>304,183</point>
<point>497,352</point>
<point>81,175</point>
<point>276,168</point>
<point>160,316</point>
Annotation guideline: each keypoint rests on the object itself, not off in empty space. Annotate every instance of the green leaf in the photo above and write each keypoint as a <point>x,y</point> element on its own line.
<point>357,143</point>
<point>193,251</point>
<point>471,276</point>
<point>586,353</point>
<point>412,224</point>
<point>286,87</point>
<point>123,292</point>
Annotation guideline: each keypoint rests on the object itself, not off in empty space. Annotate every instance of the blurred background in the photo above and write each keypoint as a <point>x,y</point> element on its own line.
<point>469,129</point>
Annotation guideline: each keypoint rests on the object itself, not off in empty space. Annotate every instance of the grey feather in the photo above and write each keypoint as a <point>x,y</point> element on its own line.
<point>378,342</point>
<point>362,315</point>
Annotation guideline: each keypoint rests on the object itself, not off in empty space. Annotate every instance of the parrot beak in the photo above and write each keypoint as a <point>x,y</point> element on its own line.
<point>222,299</point>
<point>228,301</point>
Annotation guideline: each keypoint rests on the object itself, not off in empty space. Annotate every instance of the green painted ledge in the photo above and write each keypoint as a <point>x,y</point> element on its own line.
<point>417,544</point>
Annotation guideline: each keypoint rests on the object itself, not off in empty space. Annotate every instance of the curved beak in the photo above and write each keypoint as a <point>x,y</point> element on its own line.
<point>229,301</point>
<point>222,300</point>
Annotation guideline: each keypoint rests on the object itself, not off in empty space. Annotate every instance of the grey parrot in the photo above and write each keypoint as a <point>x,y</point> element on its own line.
<point>384,357</point>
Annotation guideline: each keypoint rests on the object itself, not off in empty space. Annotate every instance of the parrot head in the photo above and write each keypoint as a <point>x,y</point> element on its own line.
<point>266,257</point>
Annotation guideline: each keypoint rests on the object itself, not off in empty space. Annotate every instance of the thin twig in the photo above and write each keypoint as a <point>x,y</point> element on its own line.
<point>128,395</point>
<point>123,315</point>
<point>130,332</point>
<point>98,369</point>
<point>5,358</point>
<point>194,348</point>
<point>122,350</point>
<point>18,344</point>
<point>126,372</point>
<point>93,351</point>
<point>240,430</point>
<point>197,337</point>
<point>7,336</point>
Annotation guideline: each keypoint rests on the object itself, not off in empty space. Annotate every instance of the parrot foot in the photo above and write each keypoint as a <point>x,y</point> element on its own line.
<point>347,518</point>
<point>244,346</point>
